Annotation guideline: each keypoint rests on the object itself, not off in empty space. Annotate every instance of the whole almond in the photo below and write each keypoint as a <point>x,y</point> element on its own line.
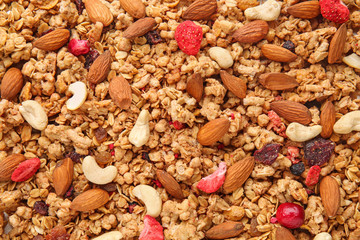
<point>200,10</point>
<point>98,12</point>
<point>277,53</point>
<point>337,44</point>
<point>213,131</point>
<point>139,28</point>
<point>225,230</point>
<point>63,175</point>
<point>195,87</point>
<point>292,111</point>
<point>251,32</point>
<point>135,8</point>
<point>306,10</point>
<point>90,200</point>
<point>277,81</point>
<point>238,173</point>
<point>8,165</point>
<point>53,40</point>
<point>120,92</point>
<point>170,184</point>
<point>330,195</point>
<point>100,68</point>
<point>234,84</point>
<point>282,233</point>
<point>327,119</point>
<point>11,83</point>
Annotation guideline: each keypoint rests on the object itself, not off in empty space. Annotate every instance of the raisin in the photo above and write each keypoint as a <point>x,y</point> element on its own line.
<point>157,183</point>
<point>69,192</point>
<point>318,151</point>
<point>103,157</point>
<point>145,156</point>
<point>289,45</point>
<point>74,156</point>
<point>253,231</point>
<point>110,187</point>
<point>41,208</point>
<point>80,6</point>
<point>131,207</point>
<point>178,125</point>
<point>297,169</point>
<point>153,37</point>
<point>100,134</point>
<point>268,154</point>
<point>90,58</point>
<point>58,233</point>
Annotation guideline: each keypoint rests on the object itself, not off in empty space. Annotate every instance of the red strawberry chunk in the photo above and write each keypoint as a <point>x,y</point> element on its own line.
<point>188,36</point>
<point>292,154</point>
<point>313,176</point>
<point>152,229</point>
<point>26,170</point>
<point>214,181</point>
<point>334,10</point>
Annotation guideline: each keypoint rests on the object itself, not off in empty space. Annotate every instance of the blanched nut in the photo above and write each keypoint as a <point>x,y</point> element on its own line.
<point>113,235</point>
<point>353,60</point>
<point>348,123</point>
<point>150,197</point>
<point>222,56</point>
<point>269,11</point>
<point>323,236</point>
<point>140,133</point>
<point>300,133</point>
<point>79,91</point>
<point>34,114</point>
<point>96,174</point>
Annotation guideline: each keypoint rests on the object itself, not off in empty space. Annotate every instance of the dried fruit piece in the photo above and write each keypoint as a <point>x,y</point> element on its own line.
<point>297,169</point>
<point>188,36</point>
<point>100,134</point>
<point>26,170</point>
<point>289,45</point>
<point>290,215</point>
<point>313,176</point>
<point>334,10</point>
<point>214,181</point>
<point>276,124</point>
<point>152,229</point>
<point>90,58</point>
<point>78,47</point>
<point>41,208</point>
<point>80,6</point>
<point>58,233</point>
<point>103,157</point>
<point>292,154</point>
<point>153,37</point>
<point>318,151</point>
<point>268,154</point>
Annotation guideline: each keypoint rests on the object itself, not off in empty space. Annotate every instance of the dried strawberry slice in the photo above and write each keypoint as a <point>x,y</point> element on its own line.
<point>152,229</point>
<point>213,182</point>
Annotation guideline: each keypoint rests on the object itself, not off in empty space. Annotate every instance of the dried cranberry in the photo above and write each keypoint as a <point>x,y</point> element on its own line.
<point>90,58</point>
<point>58,233</point>
<point>41,207</point>
<point>153,37</point>
<point>80,6</point>
<point>157,183</point>
<point>110,187</point>
<point>75,157</point>
<point>69,192</point>
<point>131,207</point>
<point>318,151</point>
<point>100,134</point>
<point>78,47</point>
<point>268,154</point>
<point>297,169</point>
<point>313,176</point>
<point>290,215</point>
<point>145,156</point>
<point>289,45</point>
<point>178,125</point>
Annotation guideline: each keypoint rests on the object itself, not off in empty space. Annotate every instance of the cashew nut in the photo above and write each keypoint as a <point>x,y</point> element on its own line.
<point>140,133</point>
<point>150,197</point>
<point>348,123</point>
<point>34,114</point>
<point>323,236</point>
<point>222,56</point>
<point>300,133</point>
<point>113,235</point>
<point>96,174</point>
<point>79,91</point>
<point>269,11</point>
<point>353,60</point>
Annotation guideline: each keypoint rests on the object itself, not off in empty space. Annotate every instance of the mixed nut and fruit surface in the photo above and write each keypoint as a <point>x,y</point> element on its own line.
<point>179,120</point>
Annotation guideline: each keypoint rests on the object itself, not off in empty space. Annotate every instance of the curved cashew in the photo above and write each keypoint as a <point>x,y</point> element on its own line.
<point>269,11</point>
<point>150,197</point>
<point>323,236</point>
<point>300,133</point>
<point>34,114</point>
<point>79,91</point>
<point>348,123</point>
<point>140,133</point>
<point>96,174</point>
<point>222,56</point>
<point>353,60</point>
<point>113,235</point>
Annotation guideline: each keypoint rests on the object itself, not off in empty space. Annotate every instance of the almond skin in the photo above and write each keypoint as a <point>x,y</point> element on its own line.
<point>200,10</point>
<point>63,175</point>
<point>225,230</point>
<point>277,81</point>
<point>120,92</point>
<point>100,68</point>
<point>8,166</point>
<point>337,44</point>
<point>53,40</point>
<point>139,28</point>
<point>195,87</point>
<point>292,111</point>
<point>330,195</point>
<point>11,83</point>
<point>90,200</point>
<point>305,10</point>
<point>277,53</point>
<point>213,131</point>
<point>282,233</point>
<point>327,119</point>
<point>98,12</point>
<point>135,8</point>
<point>234,84</point>
<point>251,32</point>
<point>170,184</point>
<point>238,173</point>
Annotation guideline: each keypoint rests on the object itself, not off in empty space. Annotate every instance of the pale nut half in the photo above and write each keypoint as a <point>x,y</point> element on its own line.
<point>353,60</point>
<point>348,123</point>
<point>222,56</point>
<point>113,235</point>
<point>323,236</point>
<point>300,133</point>
<point>95,174</point>
<point>79,91</point>
<point>140,133</point>
<point>150,197</point>
<point>269,11</point>
<point>34,114</point>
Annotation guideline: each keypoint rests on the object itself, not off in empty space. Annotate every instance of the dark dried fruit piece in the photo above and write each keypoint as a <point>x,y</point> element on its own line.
<point>110,187</point>
<point>153,37</point>
<point>41,208</point>
<point>100,134</point>
<point>58,233</point>
<point>69,192</point>
<point>318,151</point>
<point>289,45</point>
<point>297,169</point>
<point>145,156</point>
<point>253,231</point>
<point>103,157</point>
<point>268,154</point>
<point>131,207</point>
<point>74,156</point>
<point>80,6</point>
<point>90,58</point>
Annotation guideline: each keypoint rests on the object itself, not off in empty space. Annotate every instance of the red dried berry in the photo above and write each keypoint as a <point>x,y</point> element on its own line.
<point>290,215</point>
<point>131,207</point>
<point>214,181</point>
<point>69,192</point>
<point>79,47</point>
<point>313,176</point>
<point>318,151</point>
<point>152,229</point>
<point>276,124</point>
<point>26,170</point>
<point>292,154</point>
<point>178,125</point>
<point>268,154</point>
<point>188,36</point>
<point>157,183</point>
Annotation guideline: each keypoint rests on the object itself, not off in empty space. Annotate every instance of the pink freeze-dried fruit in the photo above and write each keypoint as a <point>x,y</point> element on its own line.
<point>292,154</point>
<point>152,229</point>
<point>79,47</point>
<point>26,170</point>
<point>334,10</point>
<point>188,36</point>
<point>313,176</point>
<point>214,181</point>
